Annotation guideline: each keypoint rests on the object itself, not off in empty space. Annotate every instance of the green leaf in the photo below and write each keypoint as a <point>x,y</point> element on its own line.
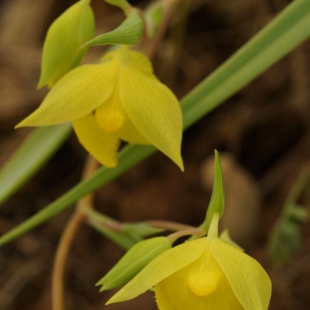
<point>217,202</point>
<point>129,32</point>
<point>277,39</point>
<point>133,262</point>
<point>41,144</point>
<point>130,156</point>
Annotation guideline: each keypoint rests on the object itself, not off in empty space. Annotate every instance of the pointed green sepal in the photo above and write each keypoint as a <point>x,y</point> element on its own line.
<point>217,202</point>
<point>67,33</point>
<point>133,262</point>
<point>129,32</point>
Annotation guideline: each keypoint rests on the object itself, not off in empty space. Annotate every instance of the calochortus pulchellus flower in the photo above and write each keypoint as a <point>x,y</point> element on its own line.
<point>203,274</point>
<point>117,99</point>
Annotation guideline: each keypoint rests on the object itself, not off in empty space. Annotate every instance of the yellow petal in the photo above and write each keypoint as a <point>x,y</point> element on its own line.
<point>160,268</point>
<point>199,286</point>
<point>247,278</point>
<point>129,133</point>
<point>78,93</point>
<point>153,109</point>
<point>134,58</point>
<point>100,144</point>
<point>140,61</point>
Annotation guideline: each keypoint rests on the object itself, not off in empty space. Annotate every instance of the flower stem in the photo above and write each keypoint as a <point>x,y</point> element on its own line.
<point>187,232</point>
<point>167,225</point>
<point>66,240</point>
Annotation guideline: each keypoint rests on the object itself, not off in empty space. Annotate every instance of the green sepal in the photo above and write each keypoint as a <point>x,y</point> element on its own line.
<point>217,202</point>
<point>128,32</point>
<point>67,33</point>
<point>133,262</point>
<point>140,229</point>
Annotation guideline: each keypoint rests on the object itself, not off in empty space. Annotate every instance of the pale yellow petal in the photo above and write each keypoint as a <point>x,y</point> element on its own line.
<point>199,286</point>
<point>247,278</point>
<point>129,133</point>
<point>153,109</point>
<point>134,58</point>
<point>78,93</point>
<point>160,268</point>
<point>100,144</point>
<point>140,61</point>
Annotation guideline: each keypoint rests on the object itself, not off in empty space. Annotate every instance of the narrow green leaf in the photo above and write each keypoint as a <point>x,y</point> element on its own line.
<point>129,32</point>
<point>41,144</point>
<point>130,156</point>
<point>278,38</point>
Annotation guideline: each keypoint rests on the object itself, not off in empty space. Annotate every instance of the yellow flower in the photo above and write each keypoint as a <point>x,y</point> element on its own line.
<point>120,98</point>
<point>204,274</point>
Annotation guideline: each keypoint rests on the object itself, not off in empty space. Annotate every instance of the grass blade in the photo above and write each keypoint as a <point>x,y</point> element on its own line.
<point>41,144</point>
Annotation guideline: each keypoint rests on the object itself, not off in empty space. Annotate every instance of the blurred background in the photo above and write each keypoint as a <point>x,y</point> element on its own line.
<point>262,133</point>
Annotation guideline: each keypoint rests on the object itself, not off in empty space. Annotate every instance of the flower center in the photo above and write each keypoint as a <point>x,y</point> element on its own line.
<point>110,116</point>
<point>205,276</point>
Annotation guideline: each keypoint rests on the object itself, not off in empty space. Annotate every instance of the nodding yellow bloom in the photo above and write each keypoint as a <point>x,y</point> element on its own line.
<point>120,98</point>
<point>204,274</point>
